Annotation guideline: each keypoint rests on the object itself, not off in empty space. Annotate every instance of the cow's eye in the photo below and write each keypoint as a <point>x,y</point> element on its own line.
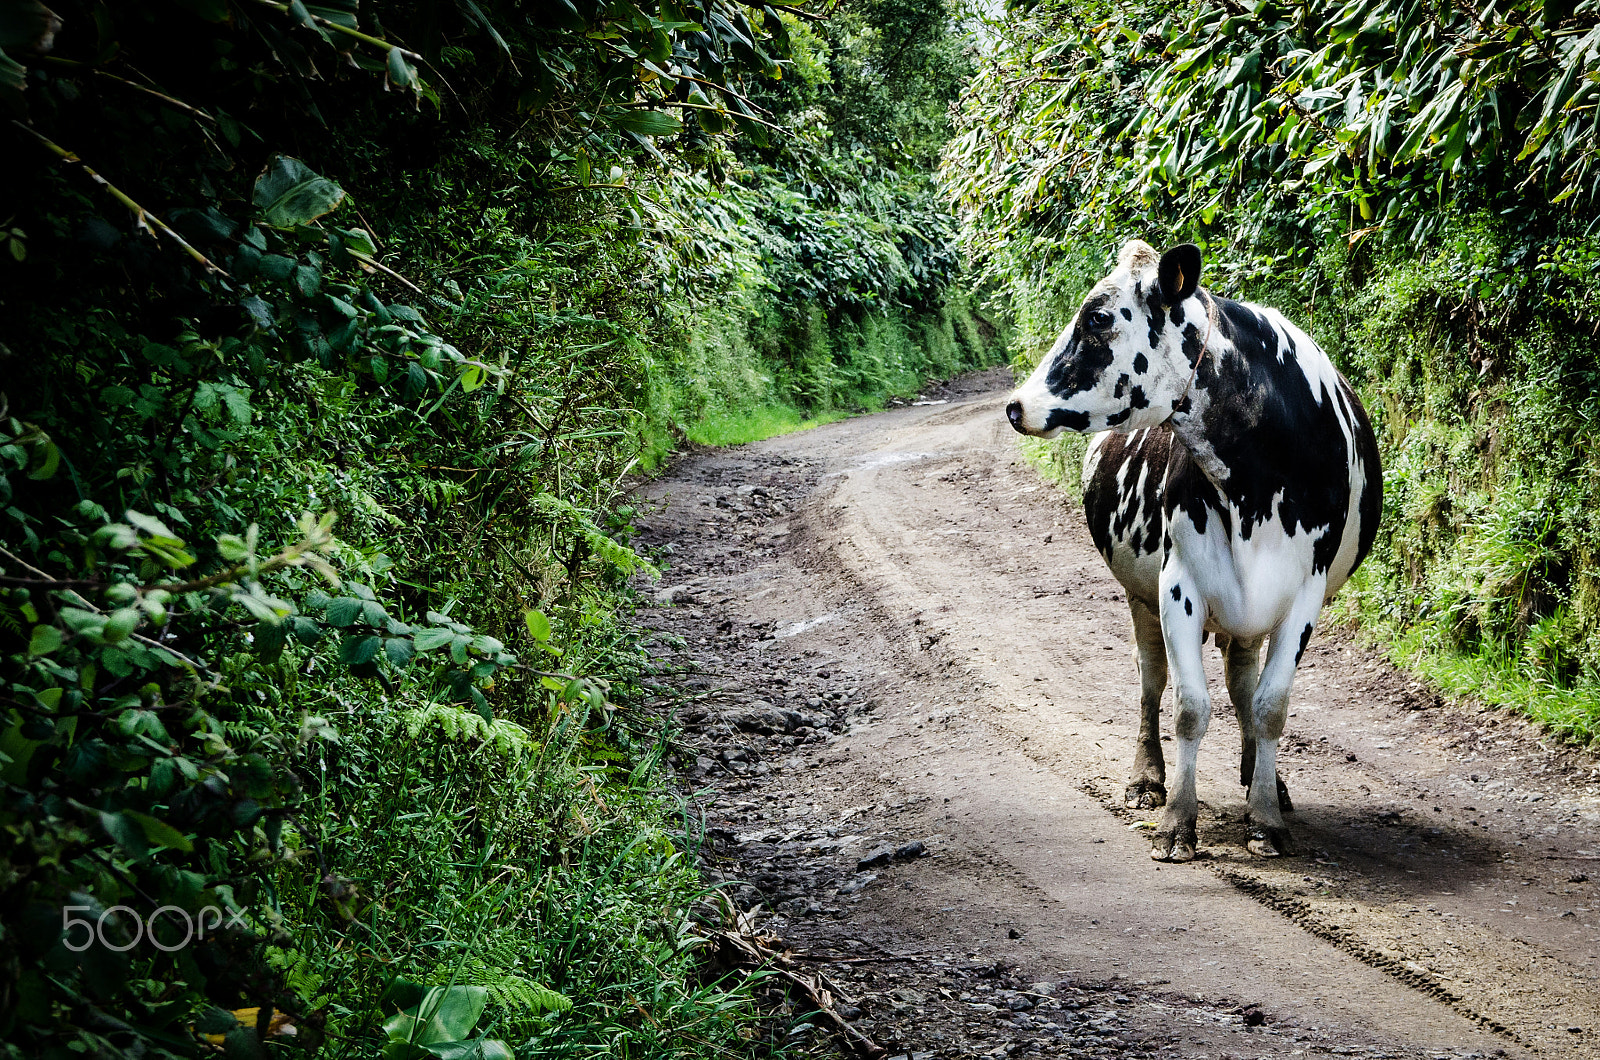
<point>1101,319</point>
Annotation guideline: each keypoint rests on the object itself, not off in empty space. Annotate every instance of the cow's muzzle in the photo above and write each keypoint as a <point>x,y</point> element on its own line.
<point>1014,414</point>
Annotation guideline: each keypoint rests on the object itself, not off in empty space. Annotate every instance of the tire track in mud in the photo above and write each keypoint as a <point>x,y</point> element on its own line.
<point>1313,921</point>
<point>1307,919</point>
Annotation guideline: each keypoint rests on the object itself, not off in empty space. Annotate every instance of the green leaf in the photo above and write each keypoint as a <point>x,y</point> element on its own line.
<point>307,280</point>
<point>399,651</point>
<point>160,833</point>
<point>121,624</point>
<point>538,625</point>
<point>44,640</point>
<point>401,73</point>
<point>232,548</point>
<point>306,630</point>
<point>270,638</point>
<point>344,611</point>
<point>356,649</point>
<point>48,461</point>
<point>646,122</point>
<point>475,1049</point>
<point>433,639</point>
<point>445,1014</point>
<point>288,193</point>
<point>126,832</point>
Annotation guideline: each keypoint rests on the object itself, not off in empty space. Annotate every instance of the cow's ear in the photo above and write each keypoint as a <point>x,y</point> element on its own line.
<point>1179,273</point>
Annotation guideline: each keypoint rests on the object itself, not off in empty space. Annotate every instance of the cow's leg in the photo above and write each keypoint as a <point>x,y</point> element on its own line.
<point>1182,623</point>
<point>1241,666</point>
<point>1270,710</point>
<point>1147,784</point>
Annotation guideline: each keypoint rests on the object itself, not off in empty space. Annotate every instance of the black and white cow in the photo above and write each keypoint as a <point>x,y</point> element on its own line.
<point>1238,492</point>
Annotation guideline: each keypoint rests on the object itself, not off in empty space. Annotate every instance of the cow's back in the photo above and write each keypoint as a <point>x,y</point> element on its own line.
<point>1122,502</point>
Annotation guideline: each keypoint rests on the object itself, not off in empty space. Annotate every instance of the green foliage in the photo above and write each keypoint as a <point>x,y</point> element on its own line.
<point>321,391</point>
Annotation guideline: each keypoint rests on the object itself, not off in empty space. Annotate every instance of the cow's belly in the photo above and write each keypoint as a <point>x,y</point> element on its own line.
<point>1138,571</point>
<point>1248,586</point>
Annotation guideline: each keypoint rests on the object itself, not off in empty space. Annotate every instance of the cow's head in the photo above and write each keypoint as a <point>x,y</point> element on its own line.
<point>1127,358</point>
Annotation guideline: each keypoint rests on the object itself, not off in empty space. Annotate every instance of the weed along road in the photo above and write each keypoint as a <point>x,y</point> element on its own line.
<point>893,633</point>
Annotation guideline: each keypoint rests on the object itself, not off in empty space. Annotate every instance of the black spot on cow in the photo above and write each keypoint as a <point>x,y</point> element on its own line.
<point>1127,314</point>
<point>1100,494</point>
<point>1305,638</point>
<point>1122,385</point>
<point>1176,313</point>
<point>1068,418</point>
<point>1079,359</point>
<point>1155,318</point>
<point>1152,531</point>
<point>1177,593</point>
<point>1188,606</point>
<point>1136,397</point>
<point>1141,363</point>
<point>1118,418</point>
<point>1370,505</point>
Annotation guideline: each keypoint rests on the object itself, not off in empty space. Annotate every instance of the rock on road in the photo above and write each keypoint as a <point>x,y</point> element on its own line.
<point>1445,898</point>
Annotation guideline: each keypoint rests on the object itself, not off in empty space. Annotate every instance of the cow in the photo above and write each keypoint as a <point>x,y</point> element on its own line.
<point>1234,486</point>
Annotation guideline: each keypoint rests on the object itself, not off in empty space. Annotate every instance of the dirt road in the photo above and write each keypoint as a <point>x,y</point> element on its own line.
<point>901,633</point>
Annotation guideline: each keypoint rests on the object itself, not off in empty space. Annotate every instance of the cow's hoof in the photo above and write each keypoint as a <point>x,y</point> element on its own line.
<point>1284,805</point>
<point>1145,795</point>
<point>1270,843</point>
<point>1178,847</point>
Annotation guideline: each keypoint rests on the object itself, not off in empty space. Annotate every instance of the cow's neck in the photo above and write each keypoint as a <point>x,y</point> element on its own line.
<point>1200,421</point>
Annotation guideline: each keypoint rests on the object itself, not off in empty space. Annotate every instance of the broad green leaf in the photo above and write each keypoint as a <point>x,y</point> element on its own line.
<point>305,630</point>
<point>356,649</point>
<point>538,625</point>
<point>401,73</point>
<point>344,611</point>
<point>44,640</point>
<point>288,193</point>
<point>160,833</point>
<point>646,122</point>
<point>49,461</point>
<point>433,639</point>
<point>127,833</point>
<point>121,624</point>
<point>475,1049</point>
<point>399,651</point>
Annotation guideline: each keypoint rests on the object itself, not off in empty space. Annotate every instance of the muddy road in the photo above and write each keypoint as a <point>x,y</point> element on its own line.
<point>893,631</point>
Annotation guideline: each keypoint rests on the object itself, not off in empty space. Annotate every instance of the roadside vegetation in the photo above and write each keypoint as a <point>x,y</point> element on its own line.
<point>330,335</point>
<point>1415,185</point>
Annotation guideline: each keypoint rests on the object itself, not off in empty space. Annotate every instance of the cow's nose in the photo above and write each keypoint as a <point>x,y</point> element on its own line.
<point>1014,414</point>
